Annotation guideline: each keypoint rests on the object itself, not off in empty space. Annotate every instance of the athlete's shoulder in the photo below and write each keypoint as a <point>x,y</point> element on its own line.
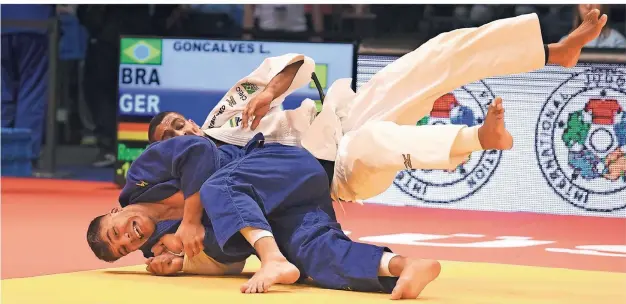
<point>180,140</point>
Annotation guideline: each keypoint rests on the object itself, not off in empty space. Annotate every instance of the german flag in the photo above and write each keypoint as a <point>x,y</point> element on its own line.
<point>131,131</point>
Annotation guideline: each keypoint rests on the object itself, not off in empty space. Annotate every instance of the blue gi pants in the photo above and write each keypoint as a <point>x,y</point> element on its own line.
<point>25,84</point>
<point>285,190</point>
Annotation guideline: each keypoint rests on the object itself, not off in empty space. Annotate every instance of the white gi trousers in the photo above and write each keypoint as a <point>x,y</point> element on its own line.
<point>374,129</point>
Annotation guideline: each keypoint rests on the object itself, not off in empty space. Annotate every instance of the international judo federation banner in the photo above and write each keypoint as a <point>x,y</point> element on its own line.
<point>569,127</point>
<point>190,76</point>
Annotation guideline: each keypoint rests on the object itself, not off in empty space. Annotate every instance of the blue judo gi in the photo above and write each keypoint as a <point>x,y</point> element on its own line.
<point>278,188</point>
<point>25,71</point>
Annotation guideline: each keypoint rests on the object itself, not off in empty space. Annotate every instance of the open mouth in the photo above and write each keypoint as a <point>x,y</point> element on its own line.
<point>137,230</point>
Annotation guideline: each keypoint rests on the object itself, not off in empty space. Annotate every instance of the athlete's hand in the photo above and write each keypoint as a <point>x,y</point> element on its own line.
<point>165,264</point>
<point>256,109</point>
<point>191,235</point>
<point>169,242</point>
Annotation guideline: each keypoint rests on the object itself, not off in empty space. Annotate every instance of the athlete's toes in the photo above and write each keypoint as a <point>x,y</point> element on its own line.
<point>257,287</point>
<point>592,16</point>
<point>396,294</point>
<point>244,287</point>
<point>252,288</point>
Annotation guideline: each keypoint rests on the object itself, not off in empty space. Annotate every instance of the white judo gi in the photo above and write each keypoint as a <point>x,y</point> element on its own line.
<point>370,133</point>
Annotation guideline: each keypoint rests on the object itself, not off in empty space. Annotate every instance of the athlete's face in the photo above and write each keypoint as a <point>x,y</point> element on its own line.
<point>125,230</point>
<point>173,125</point>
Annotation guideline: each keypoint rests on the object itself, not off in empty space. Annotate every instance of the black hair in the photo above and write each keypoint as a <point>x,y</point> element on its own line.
<point>155,122</point>
<point>97,245</point>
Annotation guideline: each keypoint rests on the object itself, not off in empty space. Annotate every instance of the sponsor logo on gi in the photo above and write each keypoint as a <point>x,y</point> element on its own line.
<point>249,87</point>
<point>465,106</point>
<point>580,139</point>
<point>241,93</point>
<point>231,101</point>
<point>141,51</point>
<point>142,184</point>
<point>235,121</point>
<point>219,112</point>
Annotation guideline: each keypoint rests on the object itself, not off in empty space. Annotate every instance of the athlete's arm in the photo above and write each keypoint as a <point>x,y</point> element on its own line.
<point>176,200</point>
<point>279,84</point>
<point>169,260</point>
<point>191,231</point>
<point>260,104</point>
<point>169,264</point>
<point>192,165</point>
<point>181,163</point>
<point>203,264</point>
<point>286,73</point>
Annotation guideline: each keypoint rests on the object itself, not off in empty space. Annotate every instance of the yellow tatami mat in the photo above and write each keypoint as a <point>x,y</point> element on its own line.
<point>460,282</point>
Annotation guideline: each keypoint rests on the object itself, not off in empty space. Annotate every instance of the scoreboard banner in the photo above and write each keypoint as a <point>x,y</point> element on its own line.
<point>190,76</point>
<point>569,127</point>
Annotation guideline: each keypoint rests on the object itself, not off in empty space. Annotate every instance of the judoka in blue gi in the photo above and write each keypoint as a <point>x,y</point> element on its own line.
<point>265,199</point>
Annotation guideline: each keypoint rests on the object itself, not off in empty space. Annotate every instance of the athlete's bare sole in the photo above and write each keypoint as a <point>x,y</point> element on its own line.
<point>493,135</point>
<point>271,272</point>
<point>414,277</point>
<point>567,52</point>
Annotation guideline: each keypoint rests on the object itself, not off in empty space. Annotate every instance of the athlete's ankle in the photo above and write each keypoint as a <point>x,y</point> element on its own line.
<point>396,265</point>
<point>273,258</point>
<point>555,53</point>
<point>268,251</point>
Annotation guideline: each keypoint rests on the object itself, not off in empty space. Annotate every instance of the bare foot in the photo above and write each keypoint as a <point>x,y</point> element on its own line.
<point>416,275</point>
<point>566,52</point>
<point>492,134</point>
<point>271,272</point>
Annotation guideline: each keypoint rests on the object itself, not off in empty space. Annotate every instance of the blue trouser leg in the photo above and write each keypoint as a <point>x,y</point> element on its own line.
<point>33,87</point>
<point>307,235</point>
<point>314,241</point>
<point>25,84</point>
<point>285,190</point>
<point>9,79</point>
<point>231,207</point>
<point>267,182</point>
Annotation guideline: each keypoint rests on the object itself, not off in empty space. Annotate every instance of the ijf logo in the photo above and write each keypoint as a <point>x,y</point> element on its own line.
<point>467,106</point>
<point>141,51</point>
<point>581,139</point>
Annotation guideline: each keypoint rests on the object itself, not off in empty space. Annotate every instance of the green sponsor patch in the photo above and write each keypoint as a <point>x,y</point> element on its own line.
<point>249,87</point>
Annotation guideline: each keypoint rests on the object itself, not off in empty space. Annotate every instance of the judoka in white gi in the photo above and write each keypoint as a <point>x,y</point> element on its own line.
<point>366,133</point>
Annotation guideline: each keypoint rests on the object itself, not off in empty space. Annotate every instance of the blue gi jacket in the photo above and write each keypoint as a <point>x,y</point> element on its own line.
<point>181,163</point>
